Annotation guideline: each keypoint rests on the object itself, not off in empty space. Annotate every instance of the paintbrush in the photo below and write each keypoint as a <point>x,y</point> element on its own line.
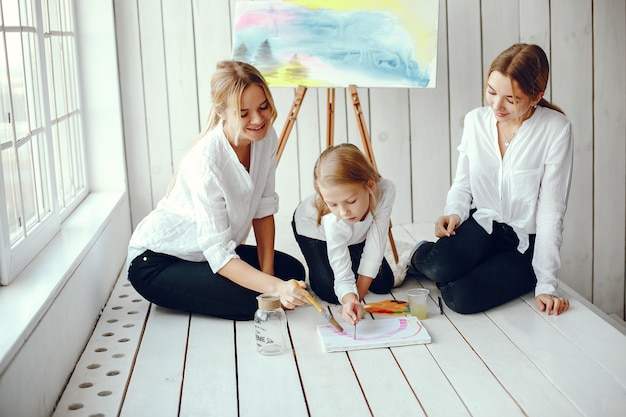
<point>319,308</point>
<point>355,312</point>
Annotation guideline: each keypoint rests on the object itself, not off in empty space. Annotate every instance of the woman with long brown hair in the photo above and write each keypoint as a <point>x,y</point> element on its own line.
<point>501,231</point>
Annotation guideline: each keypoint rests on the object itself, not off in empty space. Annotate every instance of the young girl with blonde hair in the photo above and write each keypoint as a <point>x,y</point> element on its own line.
<point>342,229</point>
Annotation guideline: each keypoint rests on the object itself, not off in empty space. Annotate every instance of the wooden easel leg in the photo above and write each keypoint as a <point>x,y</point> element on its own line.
<point>293,113</point>
<point>330,117</point>
<point>367,146</point>
<point>360,121</point>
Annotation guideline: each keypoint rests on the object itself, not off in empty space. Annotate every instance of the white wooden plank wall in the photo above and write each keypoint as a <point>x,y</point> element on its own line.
<point>168,50</point>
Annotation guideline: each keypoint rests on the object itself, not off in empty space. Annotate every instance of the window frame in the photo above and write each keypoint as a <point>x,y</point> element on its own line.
<point>17,253</point>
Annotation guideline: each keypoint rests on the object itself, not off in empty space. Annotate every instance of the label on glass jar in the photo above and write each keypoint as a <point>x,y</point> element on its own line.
<point>268,336</point>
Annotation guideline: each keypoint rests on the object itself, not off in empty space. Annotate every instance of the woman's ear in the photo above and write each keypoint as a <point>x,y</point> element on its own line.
<point>538,98</point>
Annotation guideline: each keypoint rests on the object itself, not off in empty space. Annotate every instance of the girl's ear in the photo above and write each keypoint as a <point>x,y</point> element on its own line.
<point>538,98</point>
<point>371,184</point>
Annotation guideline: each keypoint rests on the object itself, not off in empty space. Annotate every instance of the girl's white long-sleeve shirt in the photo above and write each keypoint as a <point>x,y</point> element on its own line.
<point>339,234</point>
<point>208,212</point>
<point>527,189</point>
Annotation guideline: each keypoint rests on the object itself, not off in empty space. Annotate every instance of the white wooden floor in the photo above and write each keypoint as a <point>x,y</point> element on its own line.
<point>511,361</point>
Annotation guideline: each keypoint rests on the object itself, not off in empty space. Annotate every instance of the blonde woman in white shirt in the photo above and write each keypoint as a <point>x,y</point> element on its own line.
<point>501,233</point>
<point>187,254</point>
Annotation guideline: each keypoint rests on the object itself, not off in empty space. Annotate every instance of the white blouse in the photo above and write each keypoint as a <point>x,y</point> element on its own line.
<point>208,212</point>
<point>338,235</point>
<point>527,189</point>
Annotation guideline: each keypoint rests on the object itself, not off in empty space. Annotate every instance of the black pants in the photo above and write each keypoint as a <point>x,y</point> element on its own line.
<point>476,271</point>
<point>192,286</point>
<point>321,275</point>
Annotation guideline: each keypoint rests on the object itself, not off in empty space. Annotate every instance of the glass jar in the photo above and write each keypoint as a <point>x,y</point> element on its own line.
<point>270,326</point>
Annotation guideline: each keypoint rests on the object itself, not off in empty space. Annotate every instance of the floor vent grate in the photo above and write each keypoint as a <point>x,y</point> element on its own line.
<point>97,385</point>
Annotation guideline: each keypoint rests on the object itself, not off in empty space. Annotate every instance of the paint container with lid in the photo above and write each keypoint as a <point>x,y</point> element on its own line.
<point>270,326</point>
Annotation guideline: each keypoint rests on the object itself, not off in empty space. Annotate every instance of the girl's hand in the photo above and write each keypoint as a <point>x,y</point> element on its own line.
<point>551,304</point>
<point>292,295</point>
<point>445,225</point>
<point>352,310</point>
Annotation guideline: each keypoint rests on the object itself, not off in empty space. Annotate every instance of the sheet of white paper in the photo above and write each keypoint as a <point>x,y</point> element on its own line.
<point>371,334</point>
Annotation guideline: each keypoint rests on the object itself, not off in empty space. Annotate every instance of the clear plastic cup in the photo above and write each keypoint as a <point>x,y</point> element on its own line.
<point>418,302</point>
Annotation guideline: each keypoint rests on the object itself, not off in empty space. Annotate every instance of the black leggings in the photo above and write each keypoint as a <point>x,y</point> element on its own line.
<point>476,271</point>
<point>174,283</point>
<point>321,276</point>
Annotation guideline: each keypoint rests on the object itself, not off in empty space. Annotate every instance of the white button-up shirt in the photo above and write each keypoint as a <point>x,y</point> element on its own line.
<point>527,189</point>
<point>208,212</point>
<point>339,234</point>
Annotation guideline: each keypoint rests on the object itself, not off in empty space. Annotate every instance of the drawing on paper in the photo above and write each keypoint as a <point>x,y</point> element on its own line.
<point>368,43</point>
<point>398,331</point>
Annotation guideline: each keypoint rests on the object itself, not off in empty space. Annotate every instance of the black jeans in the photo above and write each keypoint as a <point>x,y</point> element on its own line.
<point>476,271</point>
<point>321,275</point>
<point>174,283</point>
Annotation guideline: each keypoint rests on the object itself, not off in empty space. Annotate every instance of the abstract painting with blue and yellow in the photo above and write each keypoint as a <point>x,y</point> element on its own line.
<point>316,43</point>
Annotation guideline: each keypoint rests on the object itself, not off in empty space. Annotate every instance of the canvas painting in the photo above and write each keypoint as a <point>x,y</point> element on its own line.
<point>336,43</point>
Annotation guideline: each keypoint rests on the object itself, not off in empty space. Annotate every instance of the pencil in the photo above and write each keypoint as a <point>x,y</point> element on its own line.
<point>440,306</point>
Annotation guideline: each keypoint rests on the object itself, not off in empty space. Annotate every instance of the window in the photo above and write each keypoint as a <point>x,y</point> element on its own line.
<point>43,172</point>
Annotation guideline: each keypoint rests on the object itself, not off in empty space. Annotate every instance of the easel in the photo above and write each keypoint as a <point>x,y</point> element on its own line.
<point>330,128</point>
